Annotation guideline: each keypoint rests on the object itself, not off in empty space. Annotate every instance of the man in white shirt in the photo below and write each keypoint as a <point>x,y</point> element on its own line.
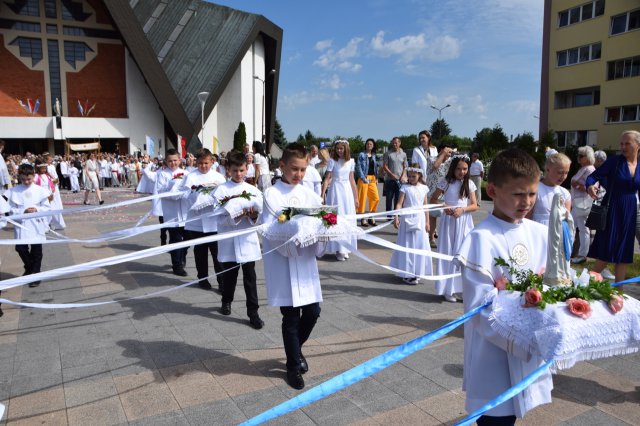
<point>476,174</point>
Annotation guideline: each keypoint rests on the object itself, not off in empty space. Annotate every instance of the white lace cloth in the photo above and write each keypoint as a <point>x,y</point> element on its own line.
<point>307,230</point>
<point>555,333</point>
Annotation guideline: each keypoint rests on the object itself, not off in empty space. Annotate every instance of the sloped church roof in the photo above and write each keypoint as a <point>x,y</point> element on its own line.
<point>184,47</point>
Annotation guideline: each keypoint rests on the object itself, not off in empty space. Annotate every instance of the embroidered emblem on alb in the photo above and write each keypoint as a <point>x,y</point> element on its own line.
<point>520,255</point>
<point>294,202</point>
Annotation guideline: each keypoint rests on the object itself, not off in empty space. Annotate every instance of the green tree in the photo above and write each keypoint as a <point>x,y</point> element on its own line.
<point>240,137</point>
<point>278,135</point>
<point>463,144</point>
<point>408,142</point>
<point>356,145</point>
<point>439,129</point>
<point>489,142</point>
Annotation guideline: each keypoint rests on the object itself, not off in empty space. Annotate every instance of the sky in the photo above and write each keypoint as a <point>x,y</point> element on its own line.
<point>374,67</point>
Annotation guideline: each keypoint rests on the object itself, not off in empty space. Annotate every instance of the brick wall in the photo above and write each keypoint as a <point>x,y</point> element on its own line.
<point>19,82</point>
<point>102,82</point>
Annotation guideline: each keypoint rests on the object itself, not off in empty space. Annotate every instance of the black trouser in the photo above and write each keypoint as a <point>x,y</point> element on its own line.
<point>230,279</point>
<point>200,254</point>
<point>163,232</point>
<point>297,324</point>
<point>496,421</point>
<point>32,259</point>
<point>178,256</point>
<point>391,193</point>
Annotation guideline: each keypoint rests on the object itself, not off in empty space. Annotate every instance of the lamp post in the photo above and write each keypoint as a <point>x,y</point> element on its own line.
<point>202,97</point>
<point>264,88</point>
<point>440,118</point>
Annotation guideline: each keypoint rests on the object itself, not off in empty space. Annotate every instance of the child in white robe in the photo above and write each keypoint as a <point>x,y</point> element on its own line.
<point>291,272</point>
<point>492,363</point>
<point>57,221</point>
<point>73,178</point>
<point>455,223</point>
<point>312,180</point>
<point>413,229</point>
<point>556,169</point>
<point>241,251</point>
<point>28,197</point>
<point>204,224</point>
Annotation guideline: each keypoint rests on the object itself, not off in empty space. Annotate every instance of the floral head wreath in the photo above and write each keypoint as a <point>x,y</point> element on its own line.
<point>414,170</point>
<point>465,157</point>
<point>341,141</point>
<point>550,152</point>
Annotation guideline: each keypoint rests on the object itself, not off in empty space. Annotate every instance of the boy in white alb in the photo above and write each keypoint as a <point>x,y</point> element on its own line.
<point>492,364</point>
<point>291,273</point>
<point>206,224</point>
<point>174,209</point>
<point>73,178</point>
<point>27,197</point>
<point>241,251</point>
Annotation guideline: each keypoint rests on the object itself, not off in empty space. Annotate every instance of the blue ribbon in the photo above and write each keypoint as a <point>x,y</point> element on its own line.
<point>361,371</point>
<point>567,239</point>
<point>510,393</point>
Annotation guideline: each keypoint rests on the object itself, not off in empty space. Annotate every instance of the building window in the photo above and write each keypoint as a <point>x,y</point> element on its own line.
<point>73,11</point>
<point>581,13</point>
<point>32,27</point>
<point>50,9</point>
<point>577,55</point>
<point>628,21</point>
<point>54,71</point>
<point>29,48</point>
<point>622,114</point>
<point>75,51</point>
<point>576,138</point>
<point>25,7</point>
<point>577,98</point>
<point>623,68</point>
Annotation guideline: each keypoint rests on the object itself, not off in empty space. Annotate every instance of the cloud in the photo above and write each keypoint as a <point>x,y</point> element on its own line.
<point>332,82</point>
<point>429,99</point>
<point>524,105</point>
<point>341,59</point>
<point>323,44</point>
<point>305,97</point>
<point>416,47</point>
<point>473,105</point>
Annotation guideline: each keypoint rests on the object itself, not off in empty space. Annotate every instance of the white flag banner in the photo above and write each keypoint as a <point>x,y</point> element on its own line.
<point>151,145</point>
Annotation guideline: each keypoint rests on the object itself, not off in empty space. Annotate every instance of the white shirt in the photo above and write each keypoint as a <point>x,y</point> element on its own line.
<point>206,223</point>
<point>22,197</point>
<point>176,207</point>
<point>312,180</point>
<point>476,168</point>
<point>542,208</point>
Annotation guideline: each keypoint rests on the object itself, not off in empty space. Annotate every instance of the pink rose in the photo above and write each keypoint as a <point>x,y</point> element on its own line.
<point>596,276</point>
<point>501,283</point>
<point>541,271</point>
<point>579,307</point>
<point>616,303</point>
<point>532,298</point>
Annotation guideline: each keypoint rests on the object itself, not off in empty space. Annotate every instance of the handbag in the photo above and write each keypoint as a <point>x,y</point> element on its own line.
<point>597,219</point>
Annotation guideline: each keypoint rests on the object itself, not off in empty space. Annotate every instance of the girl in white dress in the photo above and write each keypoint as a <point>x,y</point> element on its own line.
<point>341,192</point>
<point>57,221</point>
<point>556,170</point>
<point>261,165</point>
<point>456,222</point>
<point>412,229</point>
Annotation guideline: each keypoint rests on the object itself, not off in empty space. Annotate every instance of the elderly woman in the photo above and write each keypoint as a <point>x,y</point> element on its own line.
<point>367,182</point>
<point>91,169</point>
<point>620,176</point>
<point>580,200</point>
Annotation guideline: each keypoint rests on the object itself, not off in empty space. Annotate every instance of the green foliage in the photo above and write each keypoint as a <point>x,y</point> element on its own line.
<point>356,145</point>
<point>240,137</point>
<point>278,135</point>
<point>463,144</point>
<point>488,142</point>
<point>408,142</point>
<point>439,129</point>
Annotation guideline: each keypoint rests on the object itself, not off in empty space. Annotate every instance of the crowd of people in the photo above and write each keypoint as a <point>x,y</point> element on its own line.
<point>336,177</point>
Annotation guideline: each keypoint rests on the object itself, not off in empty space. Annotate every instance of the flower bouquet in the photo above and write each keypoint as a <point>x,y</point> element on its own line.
<point>309,225</point>
<point>236,204</point>
<point>204,196</point>
<point>584,319</point>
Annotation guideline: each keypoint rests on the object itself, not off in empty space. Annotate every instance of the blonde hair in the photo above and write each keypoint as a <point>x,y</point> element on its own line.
<point>323,153</point>
<point>557,158</point>
<point>633,133</point>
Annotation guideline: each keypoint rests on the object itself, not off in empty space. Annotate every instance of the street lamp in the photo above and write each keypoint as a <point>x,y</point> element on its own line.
<point>272,72</point>
<point>202,97</point>
<point>440,118</point>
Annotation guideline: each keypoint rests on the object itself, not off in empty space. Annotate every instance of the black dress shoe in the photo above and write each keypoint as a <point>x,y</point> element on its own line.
<point>205,285</point>
<point>101,202</point>
<point>294,379</point>
<point>304,367</point>
<point>256,322</point>
<point>226,308</point>
<point>180,272</point>
<point>85,203</point>
<point>1,313</point>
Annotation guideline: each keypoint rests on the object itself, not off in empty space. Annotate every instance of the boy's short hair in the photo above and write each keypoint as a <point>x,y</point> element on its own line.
<point>204,153</point>
<point>26,169</point>
<point>294,150</point>
<point>172,151</point>
<point>513,164</point>
<point>237,159</point>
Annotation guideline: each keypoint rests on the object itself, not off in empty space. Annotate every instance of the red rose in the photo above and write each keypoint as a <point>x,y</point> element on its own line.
<point>616,303</point>
<point>532,298</point>
<point>501,283</point>
<point>579,307</point>
<point>330,218</point>
<point>596,276</point>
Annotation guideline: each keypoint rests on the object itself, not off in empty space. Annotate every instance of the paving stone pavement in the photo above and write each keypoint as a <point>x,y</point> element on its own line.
<point>175,360</point>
